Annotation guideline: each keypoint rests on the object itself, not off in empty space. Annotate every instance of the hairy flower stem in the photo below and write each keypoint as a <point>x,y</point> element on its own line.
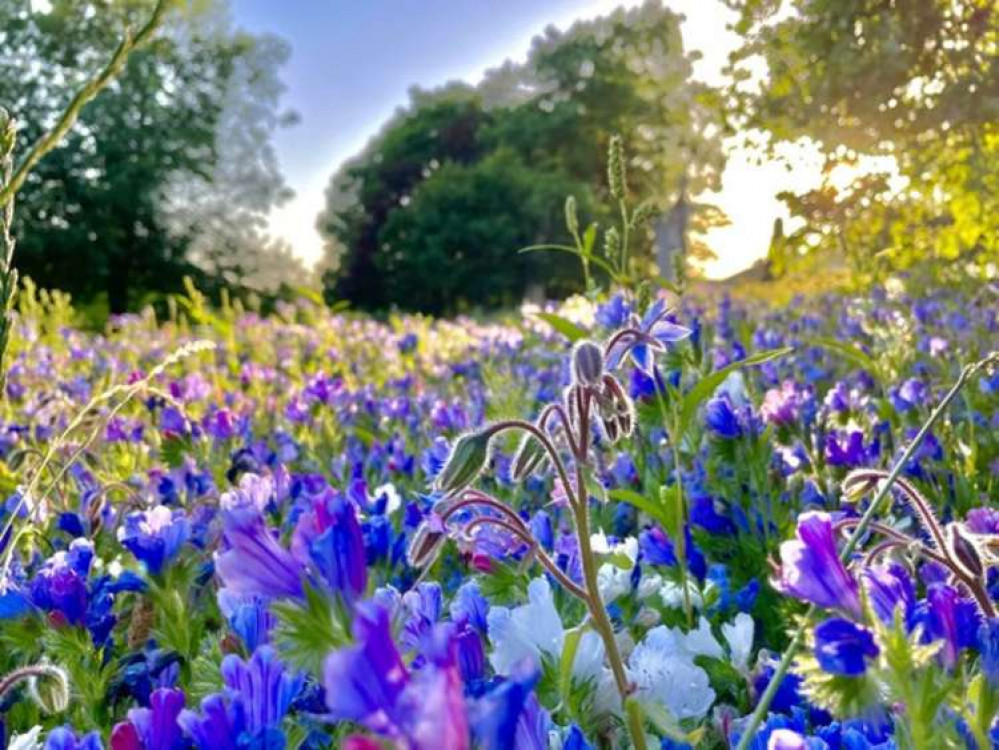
<point>865,522</point>
<point>598,613</point>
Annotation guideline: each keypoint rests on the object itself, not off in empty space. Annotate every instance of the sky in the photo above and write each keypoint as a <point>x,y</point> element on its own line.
<point>353,63</point>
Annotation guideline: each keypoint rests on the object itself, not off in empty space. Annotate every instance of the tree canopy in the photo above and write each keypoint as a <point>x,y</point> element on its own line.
<point>167,173</point>
<point>913,81</point>
<point>431,214</point>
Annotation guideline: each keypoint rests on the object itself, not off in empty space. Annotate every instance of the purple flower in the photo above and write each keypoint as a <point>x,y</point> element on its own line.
<point>329,537</point>
<point>982,521</point>
<point>254,564</point>
<point>889,587</point>
<point>782,406</point>
<point>950,618</point>
<point>613,313</point>
<point>220,725</point>
<point>154,536</point>
<point>810,567</point>
<point>845,448</point>
<point>153,728</point>
<point>61,583</point>
<point>368,683</point>
<point>363,682</point>
<point>423,606</point>
<point>843,648</point>
<point>657,332</point>
<point>266,688</point>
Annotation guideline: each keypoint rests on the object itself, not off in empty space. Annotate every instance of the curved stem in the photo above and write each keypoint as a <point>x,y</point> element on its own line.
<point>598,613</point>
<point>535,549</point>
<point>563,418</point>
<point>542,436</point>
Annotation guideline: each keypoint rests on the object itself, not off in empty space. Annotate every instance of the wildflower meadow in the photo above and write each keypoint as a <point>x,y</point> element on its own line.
<point>584,500</point>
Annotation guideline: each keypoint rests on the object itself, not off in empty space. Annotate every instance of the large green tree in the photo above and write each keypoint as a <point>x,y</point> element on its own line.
<point>416,219</point>
<point>172,161</point>
<point>916,81</point>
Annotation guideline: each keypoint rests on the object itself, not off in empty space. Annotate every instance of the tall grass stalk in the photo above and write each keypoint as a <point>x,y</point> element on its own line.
<point>12,179</point>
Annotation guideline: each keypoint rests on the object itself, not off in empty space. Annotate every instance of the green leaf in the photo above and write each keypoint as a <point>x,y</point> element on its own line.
<point>847,351</point>
<point>660,512</point>
<point>706,386</point>
<point>566,327</point>
<point>569,648</point>
<point>307,631</point>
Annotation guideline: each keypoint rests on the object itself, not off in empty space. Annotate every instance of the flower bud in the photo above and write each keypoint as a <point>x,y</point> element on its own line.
<point>859,483</point>
<point>468,457</point>
<point>587,363</point>
<point>529,455</point>
<point>963,550</point>
<point>571,219</point>
<point>8,133</point>
<point>426,545</point>
<point>616,178</point>
<point>49,689</point>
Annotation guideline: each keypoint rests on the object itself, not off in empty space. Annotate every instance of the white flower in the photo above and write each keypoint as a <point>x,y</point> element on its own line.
<point>589,661</point>
<point>628,548</point>
<point>535,630</point>
<point>649,585</point>
<point>664,672</point>
<point>739,635</point>
<point>613,582</point>
<point>672,595</point>
<point>527,631</point>
<point>734,386</point>
<point>27,741</point>
<point>393,501</point>
<point>701,642</point>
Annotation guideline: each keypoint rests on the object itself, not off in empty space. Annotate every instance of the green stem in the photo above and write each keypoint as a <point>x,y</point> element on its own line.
<point>598,613</point>
<point>873,509</point>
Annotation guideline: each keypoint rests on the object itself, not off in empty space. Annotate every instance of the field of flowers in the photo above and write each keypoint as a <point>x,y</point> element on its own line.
<point>610,527</point>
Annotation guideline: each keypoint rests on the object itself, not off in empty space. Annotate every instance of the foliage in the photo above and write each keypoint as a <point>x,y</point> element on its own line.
<point>532,133</point>
<point>912,83</point>
<point>192,112</point>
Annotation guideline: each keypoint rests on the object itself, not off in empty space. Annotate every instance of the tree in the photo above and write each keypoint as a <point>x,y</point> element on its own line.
<point>914,81</point>
<point>99,217</point>
<point>523,131</point>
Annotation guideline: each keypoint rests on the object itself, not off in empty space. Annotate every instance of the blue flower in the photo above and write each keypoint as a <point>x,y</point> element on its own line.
<point>656,331</point>
<point>266,688</point>
<point>329,536</point>
<point>64,738</point>
<point>155,536</point>
<point>988,647</point>
<point>842,648</point>
<point>721,419</point>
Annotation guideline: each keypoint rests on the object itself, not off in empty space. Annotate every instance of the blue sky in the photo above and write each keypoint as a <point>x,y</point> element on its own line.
<point>354,61</point>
